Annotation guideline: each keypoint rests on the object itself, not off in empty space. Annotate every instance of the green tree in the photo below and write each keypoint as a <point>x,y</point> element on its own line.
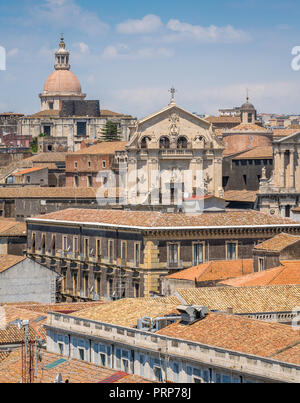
<point>111,132</point>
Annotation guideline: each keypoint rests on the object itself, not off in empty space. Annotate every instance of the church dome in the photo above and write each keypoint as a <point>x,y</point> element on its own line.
<point>247,107</point>
<point>62,82</point>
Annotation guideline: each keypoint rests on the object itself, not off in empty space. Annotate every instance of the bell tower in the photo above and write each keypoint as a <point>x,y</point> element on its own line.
<point>62,56</point>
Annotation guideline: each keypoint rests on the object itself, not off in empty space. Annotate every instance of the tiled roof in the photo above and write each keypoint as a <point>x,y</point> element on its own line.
<point>47,192</point>
<point>239,334</point>
<point>12,228</point>
<point>14,335</point>
<point>47,113</point>
<point>247,128</point>
<point>240,196</point>
<point>147,219</point>
<point>280,298</point>
<point>288,273</point>
<point>62,307</point>
<point>28,171</point>
<point>284,132</point>
<point>36,319</point>
<point>8,261</point>
<point>74,371</point>
<point>126,312</point>
<point>215,270</point>
<point>256,153</point>
<point>46,157</point>
<point>106,112</point>
<point>278,243</point>
<point>102,148</point>
<point>223,119</point>
<point>3,355</point>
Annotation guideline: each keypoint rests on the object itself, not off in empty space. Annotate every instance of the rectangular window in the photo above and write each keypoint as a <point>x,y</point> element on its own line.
<point>53,248</point>
<point>98,248</point>
<point>198,254</point>
<point>103,359</point>
<point>261,264</point>
<point>76,181</point>
<point>173,255</point>
<point>103,164</point>
<point>75,245</point>
<point>43,244</point>
<point>65,244</point>
<point>81,353</point>
<point>158,374</point>
<point>90,181</point>
<point>75,164</point>
<point>124,250</point>
<point>111,251</point>
<point>75,282</point>
<point>61,348</point>
<point>98,284</point>
<point>231,251</point>
<point>81,129</point>
<point>137,254</point>
<point>33,243</point>
<point>125,365</point>
<point>86,247</point>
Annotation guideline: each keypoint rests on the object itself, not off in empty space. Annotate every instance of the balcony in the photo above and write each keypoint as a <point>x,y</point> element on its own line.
<point>177,153</point>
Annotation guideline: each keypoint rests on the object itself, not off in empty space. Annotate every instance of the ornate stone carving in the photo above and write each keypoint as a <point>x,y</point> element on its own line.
<point>174,128</point>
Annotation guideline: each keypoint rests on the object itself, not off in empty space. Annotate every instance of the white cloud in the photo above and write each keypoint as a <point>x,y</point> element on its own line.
<point>122,51</point>
<point>67,13</point>
<point>13,52</point>
<point>185,31</point>
<point>84,48</point>
<point>149,24</point>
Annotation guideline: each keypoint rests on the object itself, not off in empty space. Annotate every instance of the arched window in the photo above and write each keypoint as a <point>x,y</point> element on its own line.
<point>164,143</point>
<point>182,142</point>
<point>144,142</point>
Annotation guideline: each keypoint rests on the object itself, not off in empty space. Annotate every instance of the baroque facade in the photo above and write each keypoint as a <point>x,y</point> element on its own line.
<point>172,153</point>
<point>281,193</point>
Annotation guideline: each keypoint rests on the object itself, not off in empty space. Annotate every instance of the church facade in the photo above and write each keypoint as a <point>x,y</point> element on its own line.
<point>65,112</point>
<point>281,193</point>
<point>173,154</point>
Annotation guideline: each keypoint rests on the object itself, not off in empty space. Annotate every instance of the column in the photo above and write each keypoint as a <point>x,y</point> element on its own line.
<point>282,169</point>
<point>292,169</point>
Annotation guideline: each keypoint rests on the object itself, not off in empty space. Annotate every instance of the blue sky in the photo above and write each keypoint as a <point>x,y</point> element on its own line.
<point>129,53</point>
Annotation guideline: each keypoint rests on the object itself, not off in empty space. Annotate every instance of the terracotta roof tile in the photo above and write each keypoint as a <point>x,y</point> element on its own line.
<point>126,312</point>
<point>239,334</point>
<point>279,298</point>
<point>102,148</point>
<point>47,192</point>
<point>12,228</point>
<point>223,119</point>
<point>8,261</point>
<point>240,196</point>
<point>247,128</point>
<point>256,153</point>
<point>147,219</point>
<point>278,243</point>
<point>28,171</point>
<point>214,271</point>
<point>288,273</point>
<point>74,371</point>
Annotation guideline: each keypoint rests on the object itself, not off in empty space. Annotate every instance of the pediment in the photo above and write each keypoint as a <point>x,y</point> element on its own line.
<point>294,138</point>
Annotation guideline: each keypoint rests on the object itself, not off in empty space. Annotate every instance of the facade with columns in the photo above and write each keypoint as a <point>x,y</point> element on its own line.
<point>171,154</point>
<point>281,193</point>
<point>62,92</point>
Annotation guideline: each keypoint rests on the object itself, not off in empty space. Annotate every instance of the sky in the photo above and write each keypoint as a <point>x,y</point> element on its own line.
<point>129,53</point>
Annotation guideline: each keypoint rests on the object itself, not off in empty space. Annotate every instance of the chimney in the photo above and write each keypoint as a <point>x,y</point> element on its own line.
<point>230,311</point>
